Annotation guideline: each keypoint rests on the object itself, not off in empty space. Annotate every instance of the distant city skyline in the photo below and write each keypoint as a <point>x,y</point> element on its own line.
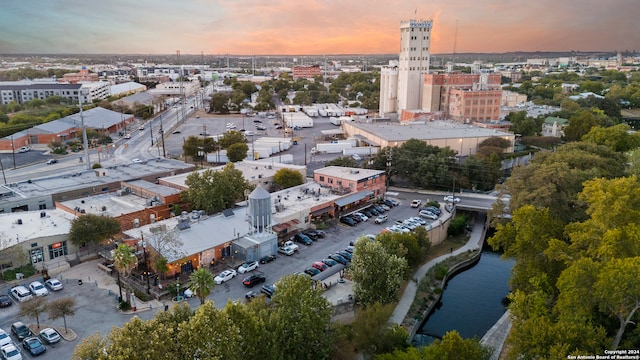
<point>313,27</point>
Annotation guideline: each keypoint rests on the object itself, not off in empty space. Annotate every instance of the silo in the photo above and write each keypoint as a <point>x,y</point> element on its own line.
<point>259,209</point>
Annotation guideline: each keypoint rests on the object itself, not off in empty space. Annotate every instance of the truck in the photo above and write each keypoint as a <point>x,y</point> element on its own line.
<point>335,121</point>
<point>333,147</point>
<point>291,245</point>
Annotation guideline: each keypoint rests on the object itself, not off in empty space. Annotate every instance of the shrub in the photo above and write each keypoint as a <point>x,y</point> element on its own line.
<point>124,305</point>
<point>140,295</point>
<point>458,225</point>
<point>437,290</point>
<point>27,270</point>
<point>441,271</point>
<point>96,166</point>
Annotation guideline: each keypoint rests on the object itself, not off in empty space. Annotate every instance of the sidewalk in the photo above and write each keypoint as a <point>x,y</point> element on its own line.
<point>401,310</point>
<point>497,335</point>
<point>91,275</point>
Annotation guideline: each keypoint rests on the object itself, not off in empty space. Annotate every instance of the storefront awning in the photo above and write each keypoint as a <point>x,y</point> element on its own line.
<point>353,198</point>
<point>324,210</point>
<point>281,227</point>
<point>327,273</point>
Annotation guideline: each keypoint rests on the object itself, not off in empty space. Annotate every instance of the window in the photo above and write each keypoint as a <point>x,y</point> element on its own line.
<point>42,206</point>
<point>57,249</point>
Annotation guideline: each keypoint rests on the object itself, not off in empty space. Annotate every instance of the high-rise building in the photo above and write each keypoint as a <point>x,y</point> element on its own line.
<point>413,64</point>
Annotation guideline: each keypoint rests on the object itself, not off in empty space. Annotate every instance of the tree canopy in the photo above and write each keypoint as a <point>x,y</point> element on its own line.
<point>286,178</point>
<point>214,191</point>
<point>93,229</point>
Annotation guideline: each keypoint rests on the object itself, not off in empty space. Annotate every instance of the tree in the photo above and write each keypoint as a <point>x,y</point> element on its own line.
<point>91,348</point>
<point>231,137</point>
<point>93,229</point>
<point>344,161</point>
<point>580,124</point>
<point>167,244</point>
<point>201,282</point>
<point>377,274</point>
<point>372,334</point>
<point>124,260</point>
<point>209,335</point>
<point>286,178</point>
<point>34,309</point>
<point>238,152</point>
<point>62,308</point>
<point>553,179</point>
<point>214,191</point>
<point>617,137</point>
<point>219,103</point>
<point>300,316</point>
<point>451,347</point>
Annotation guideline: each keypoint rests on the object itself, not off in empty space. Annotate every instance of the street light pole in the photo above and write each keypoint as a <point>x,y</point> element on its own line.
<point>85,142</point>
<point>13,152</point>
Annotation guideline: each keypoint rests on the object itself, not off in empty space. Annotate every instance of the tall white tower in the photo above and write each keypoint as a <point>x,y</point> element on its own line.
<point>413,64</point>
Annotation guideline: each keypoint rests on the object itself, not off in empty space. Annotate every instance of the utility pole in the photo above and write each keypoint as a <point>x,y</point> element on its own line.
<point>85,142</point>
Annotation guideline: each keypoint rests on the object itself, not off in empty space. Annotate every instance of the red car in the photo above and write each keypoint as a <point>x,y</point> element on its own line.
<point>320,265</point>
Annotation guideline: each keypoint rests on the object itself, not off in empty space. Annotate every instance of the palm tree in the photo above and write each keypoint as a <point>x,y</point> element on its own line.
<point>201,282</point>
<point>124,260</point>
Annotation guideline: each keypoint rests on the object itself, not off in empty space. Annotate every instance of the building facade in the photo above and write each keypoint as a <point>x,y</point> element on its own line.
<point>306,71</point>
<point>413,62</point>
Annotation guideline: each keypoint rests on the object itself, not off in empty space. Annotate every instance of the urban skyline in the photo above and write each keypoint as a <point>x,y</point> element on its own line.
<point>283,27</point>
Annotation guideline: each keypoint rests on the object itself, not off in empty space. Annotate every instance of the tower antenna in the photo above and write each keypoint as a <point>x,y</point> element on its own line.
<point>455,39</point>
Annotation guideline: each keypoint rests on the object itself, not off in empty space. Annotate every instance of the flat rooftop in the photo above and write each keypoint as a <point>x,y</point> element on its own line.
<point>203,233</point>
<point>431,130</point>
<point>109,204</point>
<point>299,199</point>
<point>353,174</point>
<point>34,226</point>
<point>87,178</point>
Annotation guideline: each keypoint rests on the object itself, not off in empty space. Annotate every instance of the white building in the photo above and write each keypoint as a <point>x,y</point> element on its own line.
<point>413,64</point>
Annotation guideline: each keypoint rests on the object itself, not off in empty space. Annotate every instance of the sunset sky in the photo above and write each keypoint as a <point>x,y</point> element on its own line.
<point>300,27</point>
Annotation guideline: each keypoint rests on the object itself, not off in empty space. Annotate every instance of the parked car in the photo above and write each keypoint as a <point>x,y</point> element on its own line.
<point>10,352</point>
<point>20,330</point>
<point>320,265</point>
<point>451,198</point>
<point>356,157</point>
<point>4,302</point>
<point>362,216</point>
<point>49,336</point>
<point>312,271</point>
<point>38,289</point>
<point>20,293</point>
<point>330,262</point>
<point>419,220</point>
<point>51,161</point>
<point>267,259</point>
<point>24,149</point>
<point>347,220</point>
<point>394,202</point>
<point>292,245</point>
<point>345,254</point>
<point>338,258</point>
<point>137,161</point>
<point>34,346</point>
<point>54,284</point>
<point>5,339</point>
<point>434,210</point>
<point>304,239</point>
<point>250,295</point>
<point>381,218</point>
<point>286,250</point>
<point>429,215</point>
<point>268,290</point>
<point>312,234</point>
<point>350,249</point>
<point>254,279</point>
<point>385,207</point>
<point>416,203</point>
<point>248,266</point>
<point>225,276</point>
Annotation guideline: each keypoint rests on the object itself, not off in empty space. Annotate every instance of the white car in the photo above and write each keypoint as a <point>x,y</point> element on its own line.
<point>419,220</point>
<point>137,161</point>
<point>356,157</point>
<point>416,203</point>
<point>225,276</point>
<point>54,284</point>
<point>428,214</point>
<point>451,198</point>
<point>5,339</point>
<point>24,149</point>
<point>188,293</point>
<point>21,293</point>
<point>38,289</point>
<point>10,352</point>
<point>49,336</point>
<point>361,216</point>
<point>248,266</point>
